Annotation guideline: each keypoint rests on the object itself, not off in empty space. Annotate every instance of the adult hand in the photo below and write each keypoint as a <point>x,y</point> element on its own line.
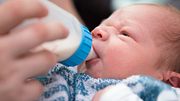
<point>18,65</point>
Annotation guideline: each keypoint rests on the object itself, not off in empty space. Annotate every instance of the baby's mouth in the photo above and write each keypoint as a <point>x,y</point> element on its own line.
<point>93,60</point>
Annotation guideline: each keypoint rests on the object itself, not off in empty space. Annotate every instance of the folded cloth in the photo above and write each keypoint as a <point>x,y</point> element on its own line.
<point>64,84</point>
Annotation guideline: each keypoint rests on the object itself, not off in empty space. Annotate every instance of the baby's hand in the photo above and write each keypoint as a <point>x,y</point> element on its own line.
<point>17,63</point>
<point>119,92</point>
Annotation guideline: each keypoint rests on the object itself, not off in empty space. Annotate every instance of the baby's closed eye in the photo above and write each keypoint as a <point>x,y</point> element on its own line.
<point>125,33</point>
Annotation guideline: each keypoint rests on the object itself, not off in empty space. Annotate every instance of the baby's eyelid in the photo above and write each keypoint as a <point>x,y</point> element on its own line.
<point>128,34</point>
<point>125,33</point>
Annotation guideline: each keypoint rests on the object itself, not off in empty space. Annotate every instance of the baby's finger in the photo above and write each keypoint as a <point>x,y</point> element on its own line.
<point>14,12</point>
<point>22,41</point>
<point>35,64</point>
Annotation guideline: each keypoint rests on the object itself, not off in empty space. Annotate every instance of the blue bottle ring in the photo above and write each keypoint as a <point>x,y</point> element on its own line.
<point>83,51</point>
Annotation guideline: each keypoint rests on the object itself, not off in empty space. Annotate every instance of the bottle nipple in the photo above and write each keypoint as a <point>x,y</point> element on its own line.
<point>91,55</point>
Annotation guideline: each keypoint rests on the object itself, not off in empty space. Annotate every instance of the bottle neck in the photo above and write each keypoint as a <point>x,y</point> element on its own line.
<point>83,50</point>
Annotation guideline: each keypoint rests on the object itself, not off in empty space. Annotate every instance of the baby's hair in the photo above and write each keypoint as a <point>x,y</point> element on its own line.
<point>171,36</point>
<point>171,56</point>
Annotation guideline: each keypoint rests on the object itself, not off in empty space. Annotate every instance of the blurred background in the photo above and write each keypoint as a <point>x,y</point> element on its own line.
<point>92,12</point>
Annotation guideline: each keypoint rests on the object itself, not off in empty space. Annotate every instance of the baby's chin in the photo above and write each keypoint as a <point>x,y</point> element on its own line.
<point>84,69</point>
<point>93,68</point>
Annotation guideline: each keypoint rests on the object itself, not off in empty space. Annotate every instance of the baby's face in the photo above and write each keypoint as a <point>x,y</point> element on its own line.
<point>126,45</point>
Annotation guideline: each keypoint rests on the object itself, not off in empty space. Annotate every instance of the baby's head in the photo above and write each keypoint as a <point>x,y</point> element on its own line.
<point>139,39</point>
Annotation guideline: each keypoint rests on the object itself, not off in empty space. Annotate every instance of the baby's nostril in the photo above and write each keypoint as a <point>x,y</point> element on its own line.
<point>99,35</point>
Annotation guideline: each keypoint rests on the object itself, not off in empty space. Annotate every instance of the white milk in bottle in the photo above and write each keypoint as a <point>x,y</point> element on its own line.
<point>72,50</point>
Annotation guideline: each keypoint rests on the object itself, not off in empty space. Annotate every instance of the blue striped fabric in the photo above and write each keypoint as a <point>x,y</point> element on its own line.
<point>64,84</point>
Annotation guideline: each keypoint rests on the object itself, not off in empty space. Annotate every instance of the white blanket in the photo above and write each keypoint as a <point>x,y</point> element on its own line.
<point>64,84</point>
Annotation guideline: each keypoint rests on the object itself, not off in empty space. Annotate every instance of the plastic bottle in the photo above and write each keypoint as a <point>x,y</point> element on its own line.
<point>74,49</point>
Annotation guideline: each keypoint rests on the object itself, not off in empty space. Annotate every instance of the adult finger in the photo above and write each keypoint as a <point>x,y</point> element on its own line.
<point>35,64</point>
<point>22,41</point>
<point>14,12</point>
<point>24,90</point>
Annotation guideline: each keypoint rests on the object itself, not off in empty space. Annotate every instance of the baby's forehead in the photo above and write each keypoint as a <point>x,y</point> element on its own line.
<point>150,15</point>
<point>154,18</point>
<point>136,13</point>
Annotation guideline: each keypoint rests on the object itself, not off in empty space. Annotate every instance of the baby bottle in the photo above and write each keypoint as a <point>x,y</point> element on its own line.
<point>74,49</point>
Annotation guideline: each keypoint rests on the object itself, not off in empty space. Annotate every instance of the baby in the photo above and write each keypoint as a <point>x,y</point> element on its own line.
<point>141,39</point>
<point>136,40</point>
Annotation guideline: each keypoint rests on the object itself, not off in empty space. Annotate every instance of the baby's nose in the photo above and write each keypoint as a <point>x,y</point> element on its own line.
<point>100,34</point>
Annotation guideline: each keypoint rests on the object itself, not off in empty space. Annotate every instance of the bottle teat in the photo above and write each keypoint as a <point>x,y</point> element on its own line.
<point>91,55</point>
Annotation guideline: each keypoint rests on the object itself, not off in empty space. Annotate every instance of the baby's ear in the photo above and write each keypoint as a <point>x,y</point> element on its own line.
<point>172,78</point>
